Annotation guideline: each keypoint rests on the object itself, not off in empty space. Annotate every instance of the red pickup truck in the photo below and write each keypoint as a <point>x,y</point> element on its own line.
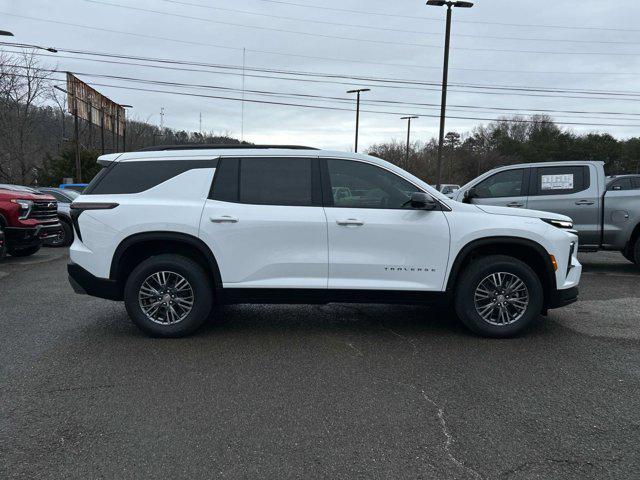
<point>27,217</point>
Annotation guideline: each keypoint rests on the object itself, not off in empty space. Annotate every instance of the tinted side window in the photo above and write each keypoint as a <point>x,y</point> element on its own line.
<point>276,181</point>
<point>636,183</point>
<point>561,180</point>
<point>508,183</point>
<point>225,183</point>
<point>361,185</point>
<point>622,184</point>
<point>138,176</point>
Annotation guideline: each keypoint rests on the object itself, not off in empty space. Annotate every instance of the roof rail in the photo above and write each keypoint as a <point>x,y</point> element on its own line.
<point>207,146</point>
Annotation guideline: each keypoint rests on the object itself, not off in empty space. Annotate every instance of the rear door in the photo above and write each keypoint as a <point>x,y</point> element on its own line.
<point>507,188</point>
<point>265,223</point>
<point>568,190</point>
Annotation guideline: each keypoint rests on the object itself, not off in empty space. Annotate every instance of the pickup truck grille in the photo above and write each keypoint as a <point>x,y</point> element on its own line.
<point>44,210</point>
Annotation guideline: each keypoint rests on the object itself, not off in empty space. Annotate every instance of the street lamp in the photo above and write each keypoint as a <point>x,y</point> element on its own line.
<point>445,76</point>
<point>408,119</point>
<point>25,45</point>
<point>357,92</point>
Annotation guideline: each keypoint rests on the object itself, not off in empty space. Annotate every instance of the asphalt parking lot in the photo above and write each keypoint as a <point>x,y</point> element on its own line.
<point>335,391</point>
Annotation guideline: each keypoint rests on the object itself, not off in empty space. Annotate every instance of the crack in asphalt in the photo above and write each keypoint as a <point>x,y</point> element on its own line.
<point>449,439</point>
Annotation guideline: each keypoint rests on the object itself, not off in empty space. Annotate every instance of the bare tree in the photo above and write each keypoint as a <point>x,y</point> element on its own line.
<point>24,86</point>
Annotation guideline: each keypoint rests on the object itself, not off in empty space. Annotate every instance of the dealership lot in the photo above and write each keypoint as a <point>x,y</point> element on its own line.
<point>335,391</point>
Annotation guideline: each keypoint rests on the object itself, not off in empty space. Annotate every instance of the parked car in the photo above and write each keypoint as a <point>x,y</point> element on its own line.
<point>449,189</point>
<point>623,182</point>
<point>78,187</point>
<point>27,218</point>
<point>64,198</point>
<point>174,232</point>
<point>606,216</point>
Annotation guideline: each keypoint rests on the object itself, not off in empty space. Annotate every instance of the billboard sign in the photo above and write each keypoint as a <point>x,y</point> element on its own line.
<point>90,105</point>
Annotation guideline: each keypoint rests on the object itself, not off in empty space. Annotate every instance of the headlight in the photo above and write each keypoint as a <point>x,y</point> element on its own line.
<point>559,223</point>
<point>25,207</point>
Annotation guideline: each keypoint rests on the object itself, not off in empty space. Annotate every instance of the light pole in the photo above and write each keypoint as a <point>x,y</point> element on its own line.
<point>408,119</point>
<point>24,45</point>
<point>445,76</point>
<point>357,92</point>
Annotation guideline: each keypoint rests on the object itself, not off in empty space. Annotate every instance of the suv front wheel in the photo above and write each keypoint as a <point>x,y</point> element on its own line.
<point>498,296</point>
<point>168,296</point>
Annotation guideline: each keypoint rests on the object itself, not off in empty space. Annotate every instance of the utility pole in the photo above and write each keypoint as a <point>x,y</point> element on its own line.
<point>357,92</point>
<point>445,77</point>
<point>244,54</point>
<point>76,135</point>
<point>161,118</point>
<point>406,155</point>
<point>102,130</point>
<point>200,129</point>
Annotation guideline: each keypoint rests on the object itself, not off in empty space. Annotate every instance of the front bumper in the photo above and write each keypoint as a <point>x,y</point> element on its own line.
<point>25,237</point>
<point>561,298</point>
<point>85,283</point>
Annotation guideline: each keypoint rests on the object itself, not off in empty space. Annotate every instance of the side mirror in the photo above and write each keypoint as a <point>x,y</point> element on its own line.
<point>422,201</point>
<point>470,195</point>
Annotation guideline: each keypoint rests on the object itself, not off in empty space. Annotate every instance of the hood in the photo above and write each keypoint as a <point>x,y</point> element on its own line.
<point>522,212</point>
<point>24,195</point>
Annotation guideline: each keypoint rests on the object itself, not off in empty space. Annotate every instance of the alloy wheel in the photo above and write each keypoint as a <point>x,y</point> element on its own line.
<point>166,297</point>
<point>501,298</point>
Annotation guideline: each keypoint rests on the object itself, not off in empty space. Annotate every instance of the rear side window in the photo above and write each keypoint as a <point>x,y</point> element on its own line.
<point>267,181</point>
<point>560,180</point>
<point>635,183</point>
<point>508,183</point>
<point>136,177</point>
<point>622,184</point>
<point>276,181</point>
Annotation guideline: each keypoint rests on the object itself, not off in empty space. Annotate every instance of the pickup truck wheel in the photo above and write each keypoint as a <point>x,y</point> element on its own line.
<point>22,252</point>
<point>3,245</point>
<point>64,239</point>
<point>635,252</point>
<point>168,296</point>
<point>498,296</point>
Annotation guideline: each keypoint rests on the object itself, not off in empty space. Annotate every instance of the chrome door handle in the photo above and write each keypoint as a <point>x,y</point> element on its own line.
<point>585,202</point>
<point>515,204</point>
<point>350,222</point>
<point>224,219</point>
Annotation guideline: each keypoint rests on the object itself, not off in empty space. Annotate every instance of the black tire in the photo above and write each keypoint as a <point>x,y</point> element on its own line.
<point>3,245</point>
<point>22,252</point>
<point>471,278</point>
<point>192,273</point>
<point>632,253</point>
<point>65,239</point>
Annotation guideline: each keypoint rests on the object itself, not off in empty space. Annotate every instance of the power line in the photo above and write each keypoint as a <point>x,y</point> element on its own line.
<point>315,57</point>
<point>307,97</point>
<point>381,80</point>
<point>420,17</point>
<point>354,39</point>
<point>500,109</point>
<point>397,30</point>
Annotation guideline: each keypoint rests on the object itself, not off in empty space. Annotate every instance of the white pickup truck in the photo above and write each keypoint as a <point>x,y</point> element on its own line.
<point>606,214</point>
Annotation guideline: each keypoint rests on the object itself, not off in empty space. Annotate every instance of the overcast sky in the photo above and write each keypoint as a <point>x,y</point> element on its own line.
<point>402,41</point>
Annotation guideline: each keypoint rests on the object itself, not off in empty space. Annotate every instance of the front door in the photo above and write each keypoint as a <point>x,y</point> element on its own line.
<point>503,189</point>
<point>376,241</point>
<point>265,223</point>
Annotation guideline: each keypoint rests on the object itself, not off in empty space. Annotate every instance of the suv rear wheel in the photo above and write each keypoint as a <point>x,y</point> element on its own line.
<point>168,296</point>
<point>498,296</point>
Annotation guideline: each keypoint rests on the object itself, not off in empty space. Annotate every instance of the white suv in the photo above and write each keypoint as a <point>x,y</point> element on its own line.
<point>175,231</point>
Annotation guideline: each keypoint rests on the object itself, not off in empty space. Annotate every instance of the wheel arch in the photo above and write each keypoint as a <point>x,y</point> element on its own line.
<point>138,247</point>
<point>528,251</point>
